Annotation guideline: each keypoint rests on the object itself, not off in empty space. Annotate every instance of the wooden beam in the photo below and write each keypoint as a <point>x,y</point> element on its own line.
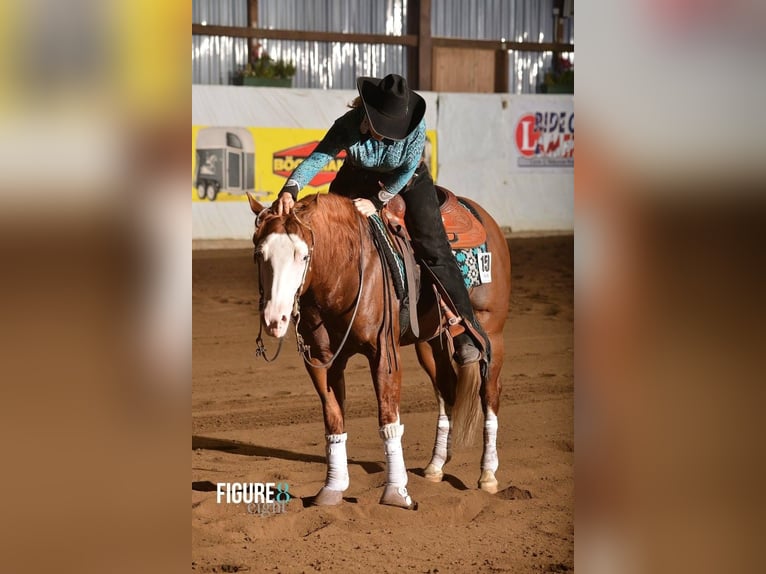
<point>420,40</point>
<point>252,22</point>
<point>499,45</point>
<point>425,48</point>
<point>413,24</point>
<point>300,36</point>
<point>501,71</point>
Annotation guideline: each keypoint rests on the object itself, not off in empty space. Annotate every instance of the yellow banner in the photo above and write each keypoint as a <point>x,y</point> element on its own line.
<point>227,162</point>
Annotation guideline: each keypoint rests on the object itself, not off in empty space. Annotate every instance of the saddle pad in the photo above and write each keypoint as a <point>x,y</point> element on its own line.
<point>471,260</point>
<point>468,262</point>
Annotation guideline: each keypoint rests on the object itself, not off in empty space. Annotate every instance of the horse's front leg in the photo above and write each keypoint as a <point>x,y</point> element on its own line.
<point>388,383</point>
<point>330,385</point>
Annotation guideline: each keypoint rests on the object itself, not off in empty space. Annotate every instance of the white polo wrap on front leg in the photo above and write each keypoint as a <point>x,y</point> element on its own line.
<point>337,463</point>
<point>441,444</point>
<point>489,460</point>
<point>392,443</point>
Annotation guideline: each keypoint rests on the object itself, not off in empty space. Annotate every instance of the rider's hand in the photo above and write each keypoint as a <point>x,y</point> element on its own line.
<point>364,206</point>
<point>284,203</point>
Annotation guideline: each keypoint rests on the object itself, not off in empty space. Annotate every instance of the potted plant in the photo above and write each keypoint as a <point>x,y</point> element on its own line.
<point>263,70</point>
<point>559,79</point>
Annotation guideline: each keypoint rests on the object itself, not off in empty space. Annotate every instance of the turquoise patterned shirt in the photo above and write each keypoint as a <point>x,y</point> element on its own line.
<point>396,161</point>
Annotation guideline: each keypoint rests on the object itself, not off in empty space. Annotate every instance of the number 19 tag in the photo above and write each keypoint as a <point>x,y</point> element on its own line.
<point>485,267</point>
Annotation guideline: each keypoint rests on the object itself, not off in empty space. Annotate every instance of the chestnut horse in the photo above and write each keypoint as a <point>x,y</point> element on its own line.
<point>319,265</point>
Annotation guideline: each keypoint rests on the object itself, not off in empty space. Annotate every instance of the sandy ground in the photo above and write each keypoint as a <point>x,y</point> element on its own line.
<point>259,422</point>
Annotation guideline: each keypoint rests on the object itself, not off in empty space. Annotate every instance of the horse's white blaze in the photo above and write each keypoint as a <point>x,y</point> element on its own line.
<point>284,263</point>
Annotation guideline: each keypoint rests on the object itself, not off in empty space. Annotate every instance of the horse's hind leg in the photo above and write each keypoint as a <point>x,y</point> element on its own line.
<point>442,451</point>
<point>490,402</point>
<point>330,385</point>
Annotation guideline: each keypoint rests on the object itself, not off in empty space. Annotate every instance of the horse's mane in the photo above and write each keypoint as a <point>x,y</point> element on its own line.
<point>327,214</point>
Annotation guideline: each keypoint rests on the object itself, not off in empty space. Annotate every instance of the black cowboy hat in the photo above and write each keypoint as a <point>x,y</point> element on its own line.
<point>392,108</point>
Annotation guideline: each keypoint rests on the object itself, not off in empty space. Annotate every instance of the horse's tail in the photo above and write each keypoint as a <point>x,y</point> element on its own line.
<point>466,414</point>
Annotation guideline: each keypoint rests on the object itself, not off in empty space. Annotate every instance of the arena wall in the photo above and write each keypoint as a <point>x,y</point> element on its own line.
<point>513,154</point>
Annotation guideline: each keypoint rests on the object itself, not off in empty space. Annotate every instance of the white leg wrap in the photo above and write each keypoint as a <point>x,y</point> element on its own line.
<point>441,444</point>
<point>392,442</point>
<point>337,464</point>
<point>489,460</point>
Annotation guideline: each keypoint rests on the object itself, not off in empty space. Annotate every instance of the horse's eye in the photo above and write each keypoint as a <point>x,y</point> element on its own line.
<point>305,257</point>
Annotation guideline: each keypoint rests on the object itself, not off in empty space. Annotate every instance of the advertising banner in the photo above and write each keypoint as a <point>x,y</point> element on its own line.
<point>543,130</point>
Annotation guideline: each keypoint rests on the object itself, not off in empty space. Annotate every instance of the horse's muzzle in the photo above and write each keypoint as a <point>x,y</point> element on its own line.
<point>276,326</point>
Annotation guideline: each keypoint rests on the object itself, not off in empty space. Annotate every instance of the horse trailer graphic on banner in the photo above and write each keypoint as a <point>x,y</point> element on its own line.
<point>225,162</point>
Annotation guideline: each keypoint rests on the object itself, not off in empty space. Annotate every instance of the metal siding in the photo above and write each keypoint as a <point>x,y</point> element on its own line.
<point>337,65</point>
<point>513,20</point>
<point>214,58</point>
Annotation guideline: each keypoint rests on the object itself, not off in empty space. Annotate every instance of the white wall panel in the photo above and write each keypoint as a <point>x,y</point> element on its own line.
<point>478,159</point>
<point>477,151</point>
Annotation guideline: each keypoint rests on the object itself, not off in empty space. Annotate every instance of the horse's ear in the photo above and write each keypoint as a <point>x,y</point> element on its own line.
<point>254,205</point>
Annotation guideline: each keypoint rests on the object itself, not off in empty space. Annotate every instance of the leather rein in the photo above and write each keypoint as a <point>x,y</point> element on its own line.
<point>303,349</point>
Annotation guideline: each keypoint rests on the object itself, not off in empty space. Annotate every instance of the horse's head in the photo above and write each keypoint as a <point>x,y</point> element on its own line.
<point>282,254</point>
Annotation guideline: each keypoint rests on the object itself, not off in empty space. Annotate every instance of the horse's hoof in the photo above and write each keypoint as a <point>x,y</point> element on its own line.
<point>490,487</point>
<point>397,496</point>
<point>327,497</point>
<point>488,482</point>
<point>433,474</point>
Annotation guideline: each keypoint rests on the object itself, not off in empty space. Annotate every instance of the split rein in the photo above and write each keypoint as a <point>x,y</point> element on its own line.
<point>304,350</point>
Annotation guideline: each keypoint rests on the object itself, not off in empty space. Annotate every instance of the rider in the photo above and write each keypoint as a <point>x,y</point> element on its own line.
<point>384,135</point>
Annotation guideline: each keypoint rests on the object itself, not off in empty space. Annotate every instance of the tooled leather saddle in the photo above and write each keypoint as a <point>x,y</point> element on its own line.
<point>463,229</point>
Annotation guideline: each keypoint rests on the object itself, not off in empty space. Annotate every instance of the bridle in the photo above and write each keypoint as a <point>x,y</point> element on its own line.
<point>303,349</point>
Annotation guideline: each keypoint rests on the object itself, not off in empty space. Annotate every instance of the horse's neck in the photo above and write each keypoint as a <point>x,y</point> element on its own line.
<point>334,277</point>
